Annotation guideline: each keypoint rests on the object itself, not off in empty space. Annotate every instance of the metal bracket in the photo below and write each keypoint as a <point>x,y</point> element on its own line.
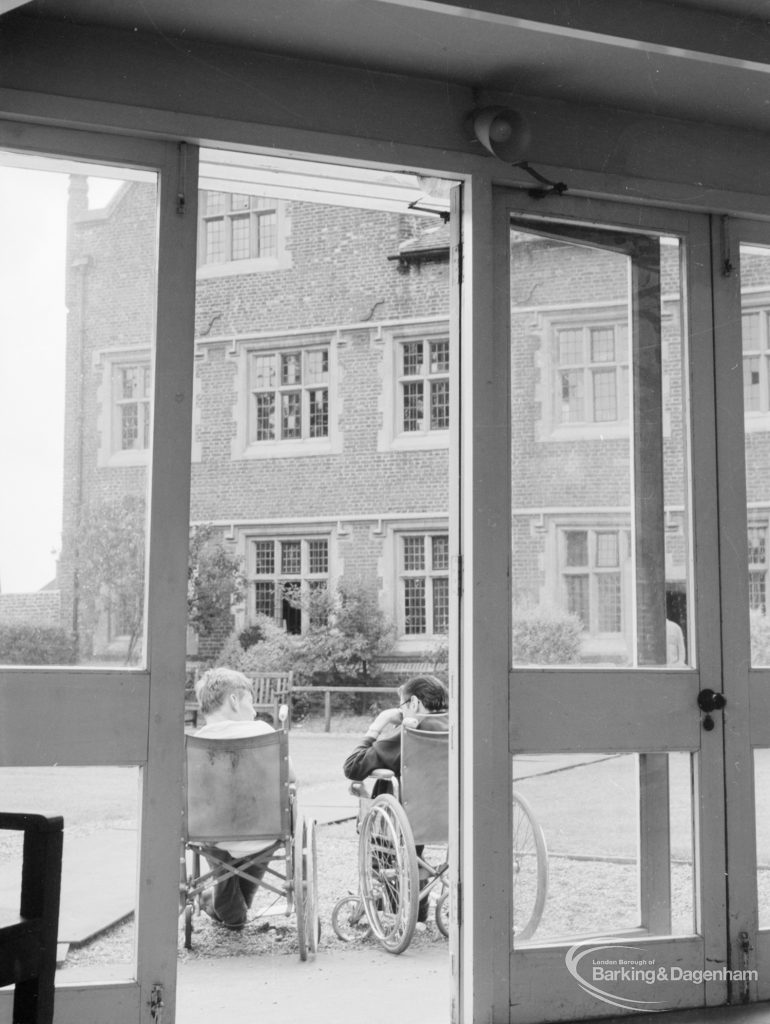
<point>156,1003</point>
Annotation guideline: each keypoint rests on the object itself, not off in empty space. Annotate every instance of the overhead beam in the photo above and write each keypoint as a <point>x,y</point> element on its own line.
<point>648,25</point>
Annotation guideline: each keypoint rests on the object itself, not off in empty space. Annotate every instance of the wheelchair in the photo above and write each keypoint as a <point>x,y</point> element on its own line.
<point>239,789</point>
<point>393,879</point>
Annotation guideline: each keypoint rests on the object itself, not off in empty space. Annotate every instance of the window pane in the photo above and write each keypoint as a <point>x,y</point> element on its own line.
<point>263,371</point>
<point>319,412</point>
<point>264,557</point>
<point>264,598</point>
<point>440,552</point>
<point>414,606</point>
<point>412,358</point>
<point>413,411</point>
<point>605,396</point>
<point>751,384</point>
<point>441,605</point>
<point>577,547</point>
<point>291,415</point>
<point>215,203</point>
<point>317,366</point>
<point>414,554</point>
<point>595,821</point>
<point>239,238</point>
<point>439,405</point>
<point>291,557</point>
<point>589,466</point>
<point>264,417</point>
<point>215,241</point>
<point>291,372</point>
<point>439,356</point>
<point>267,235</point>
<point>72,547</point>
<point>318,556</point>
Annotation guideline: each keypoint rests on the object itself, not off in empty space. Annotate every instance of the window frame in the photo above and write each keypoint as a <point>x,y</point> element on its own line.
<point>277,537</point>
<point>109,362</point>
<point>429,574</point>
<point>243,350</point>
<point>280,259</point>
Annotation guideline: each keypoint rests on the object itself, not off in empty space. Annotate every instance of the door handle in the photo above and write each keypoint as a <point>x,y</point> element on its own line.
<point>708,701</point>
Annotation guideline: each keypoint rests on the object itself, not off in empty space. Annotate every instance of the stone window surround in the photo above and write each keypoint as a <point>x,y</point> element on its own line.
<point>105,362</point>
<point>390,436</point>
<point>389,571</point>
<point>240,349</point>
<point>231,268</point>
<point>756,300</point>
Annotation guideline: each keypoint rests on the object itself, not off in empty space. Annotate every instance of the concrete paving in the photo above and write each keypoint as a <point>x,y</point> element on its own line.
<point>337,987</point>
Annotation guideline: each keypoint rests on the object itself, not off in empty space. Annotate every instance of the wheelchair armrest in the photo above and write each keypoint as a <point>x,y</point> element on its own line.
<point>382,773</point>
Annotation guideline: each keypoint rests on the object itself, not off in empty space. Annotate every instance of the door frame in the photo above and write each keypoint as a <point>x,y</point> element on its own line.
<point>678,727</point>
<point>82,716</point>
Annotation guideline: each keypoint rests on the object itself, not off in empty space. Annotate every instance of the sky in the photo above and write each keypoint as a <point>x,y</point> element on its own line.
<point>33,208</point>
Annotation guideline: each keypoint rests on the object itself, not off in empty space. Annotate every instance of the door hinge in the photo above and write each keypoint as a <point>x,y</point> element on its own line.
<point>156,1004</point>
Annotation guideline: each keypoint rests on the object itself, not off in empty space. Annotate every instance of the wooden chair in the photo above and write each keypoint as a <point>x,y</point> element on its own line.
<point>28,939</point>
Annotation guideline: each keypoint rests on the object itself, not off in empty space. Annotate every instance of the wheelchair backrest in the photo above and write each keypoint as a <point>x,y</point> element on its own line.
<point>425,783</point>
<point>237,788</point>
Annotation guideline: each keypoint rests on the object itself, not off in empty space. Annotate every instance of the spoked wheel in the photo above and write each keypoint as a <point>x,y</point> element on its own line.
<point>442,912</point>
<point>299,887</point>
<point>349,920</point>
<point>387,868</point>
<point>530,870</point>
<point>310,880</point>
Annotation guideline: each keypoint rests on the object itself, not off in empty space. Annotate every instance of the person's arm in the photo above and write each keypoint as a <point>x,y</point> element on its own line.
<point>374,752</point>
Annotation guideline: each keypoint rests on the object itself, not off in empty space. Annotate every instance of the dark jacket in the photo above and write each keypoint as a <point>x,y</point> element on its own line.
<point>386,753</point>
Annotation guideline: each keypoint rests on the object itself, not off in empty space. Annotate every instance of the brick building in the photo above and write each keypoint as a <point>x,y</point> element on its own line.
<point>321,412</point>
<point>321,409</point>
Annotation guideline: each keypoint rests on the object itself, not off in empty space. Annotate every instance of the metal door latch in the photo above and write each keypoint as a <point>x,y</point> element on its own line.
<point>708,701</point>
<point>156,1003</point>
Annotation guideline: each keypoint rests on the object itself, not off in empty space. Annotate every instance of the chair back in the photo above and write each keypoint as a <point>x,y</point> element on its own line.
<point>270,685</point>
<point>425,783</point>
<point>237,788</point>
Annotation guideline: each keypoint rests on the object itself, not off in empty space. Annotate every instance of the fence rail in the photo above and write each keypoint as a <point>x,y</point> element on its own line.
<point>327,691</point>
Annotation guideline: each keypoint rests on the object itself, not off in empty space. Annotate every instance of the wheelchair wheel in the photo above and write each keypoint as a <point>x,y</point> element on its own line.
<point>387,867</point>
<point>188,928</point>
<point>530,870</point>
<point>349,920</point>
<point>311,923</point>
<point>442,912</point>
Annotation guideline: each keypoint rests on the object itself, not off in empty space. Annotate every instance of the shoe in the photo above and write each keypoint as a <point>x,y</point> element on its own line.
<point>208,909</point>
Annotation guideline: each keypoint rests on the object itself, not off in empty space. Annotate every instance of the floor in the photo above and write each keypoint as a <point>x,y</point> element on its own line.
<point>345,988</point>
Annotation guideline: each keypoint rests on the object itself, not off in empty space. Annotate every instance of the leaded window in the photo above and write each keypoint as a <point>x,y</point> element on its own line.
<point>289,395</point>
<point>591,373</point>
<point>283,571</point>
<point>591,572</point>
<point>424,572</point>
<point>236,227</point>
<point>424,384</point>
<point>131,396</point>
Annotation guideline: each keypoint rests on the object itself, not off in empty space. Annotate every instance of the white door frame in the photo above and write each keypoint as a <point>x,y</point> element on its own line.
<point>82,716</point>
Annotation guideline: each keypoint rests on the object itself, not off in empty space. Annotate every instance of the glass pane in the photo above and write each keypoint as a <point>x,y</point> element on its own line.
<point>755,302</point>
<point>99,869</point>
<point>762,803</point>
<point>599,474</point>
<point>587,855</point>
<point>76,362</point>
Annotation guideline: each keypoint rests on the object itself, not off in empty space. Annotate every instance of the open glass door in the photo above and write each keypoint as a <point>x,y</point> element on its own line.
<point>91,694</point>
<point>616,728</point>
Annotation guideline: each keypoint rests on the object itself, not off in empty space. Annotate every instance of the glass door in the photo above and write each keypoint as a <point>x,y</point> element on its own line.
<point>95,426</point>
<point>616,732</point>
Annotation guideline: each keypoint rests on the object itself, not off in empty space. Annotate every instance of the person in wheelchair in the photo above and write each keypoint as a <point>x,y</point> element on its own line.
<point>226,700</point>
<point>423,704</point>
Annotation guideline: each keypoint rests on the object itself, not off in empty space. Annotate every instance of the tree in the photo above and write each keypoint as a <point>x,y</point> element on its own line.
<point>215,581</point>
<point>109,559</point>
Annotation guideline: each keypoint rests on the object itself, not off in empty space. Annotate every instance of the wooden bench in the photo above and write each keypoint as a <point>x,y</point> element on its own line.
<point>271,689</point>
<point>28,939</point>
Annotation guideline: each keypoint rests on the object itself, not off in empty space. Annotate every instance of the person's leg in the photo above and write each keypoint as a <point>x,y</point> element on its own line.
<point>225,902</point>
<point>249,888</point>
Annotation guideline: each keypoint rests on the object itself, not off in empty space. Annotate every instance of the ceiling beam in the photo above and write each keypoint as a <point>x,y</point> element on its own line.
<point>648,25</point>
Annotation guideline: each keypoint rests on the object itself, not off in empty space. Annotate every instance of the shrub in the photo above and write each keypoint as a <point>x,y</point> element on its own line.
<point>543,635</point>
<point>35,645</point>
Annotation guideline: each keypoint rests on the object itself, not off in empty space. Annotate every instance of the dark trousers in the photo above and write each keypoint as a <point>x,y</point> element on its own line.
<point>231,898</point>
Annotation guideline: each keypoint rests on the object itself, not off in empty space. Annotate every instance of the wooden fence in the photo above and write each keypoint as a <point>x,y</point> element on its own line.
<point>327,691</point>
